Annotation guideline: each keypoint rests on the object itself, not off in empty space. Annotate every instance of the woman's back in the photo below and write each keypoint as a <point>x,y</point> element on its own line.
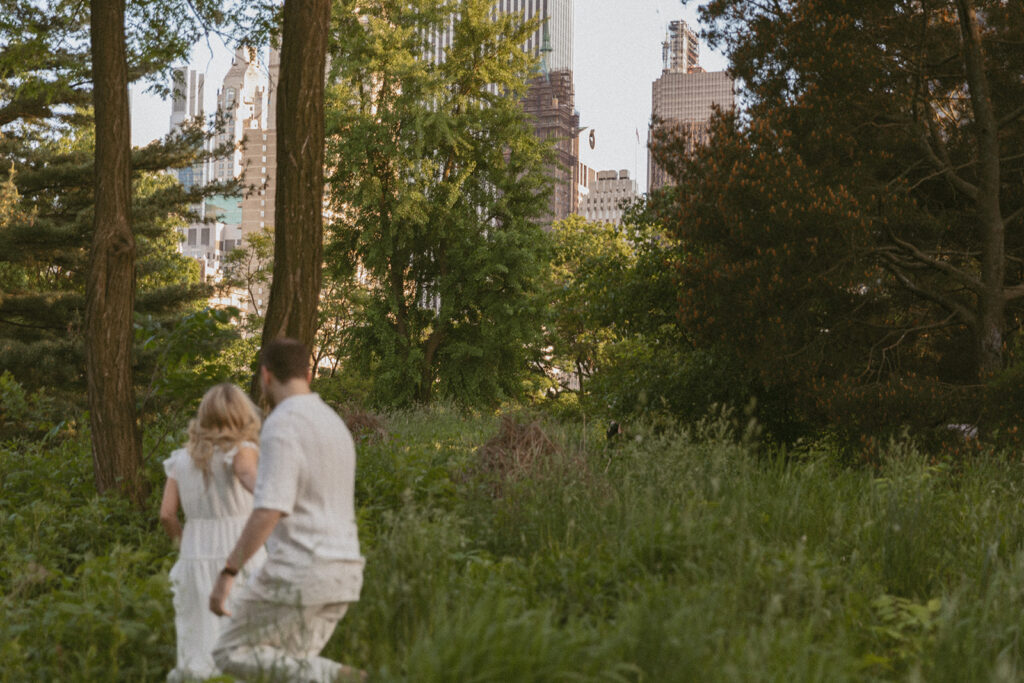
<point>215,504</point>
<point>216,507</point>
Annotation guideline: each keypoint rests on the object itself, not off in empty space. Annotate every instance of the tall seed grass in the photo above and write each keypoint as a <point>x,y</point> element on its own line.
<point>674,555</point>
<point>694,556</point>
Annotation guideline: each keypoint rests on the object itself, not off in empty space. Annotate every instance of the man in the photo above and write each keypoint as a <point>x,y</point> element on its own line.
<point>303,509</point>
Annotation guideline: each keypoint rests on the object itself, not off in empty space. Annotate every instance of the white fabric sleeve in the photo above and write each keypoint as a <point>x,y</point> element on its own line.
<point>277,480</point>
<point>171,464</point>
<point>229,457</point>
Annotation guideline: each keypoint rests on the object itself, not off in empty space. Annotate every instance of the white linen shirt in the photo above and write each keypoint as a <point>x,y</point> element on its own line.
<point>307,471</point>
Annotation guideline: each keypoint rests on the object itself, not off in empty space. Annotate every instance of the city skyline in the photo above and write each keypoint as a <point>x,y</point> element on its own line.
<point>617,55</point>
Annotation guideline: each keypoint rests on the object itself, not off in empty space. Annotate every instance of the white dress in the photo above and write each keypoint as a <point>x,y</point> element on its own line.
<point>216,509</point>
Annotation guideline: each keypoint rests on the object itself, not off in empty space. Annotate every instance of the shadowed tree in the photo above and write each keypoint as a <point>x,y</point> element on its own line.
<point>849,234</point>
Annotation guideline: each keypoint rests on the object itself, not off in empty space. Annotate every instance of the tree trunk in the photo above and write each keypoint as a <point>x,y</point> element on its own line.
<point>425,391</point>
<point>992,302</point>
<point>298,214</point>
<point>110,285</point>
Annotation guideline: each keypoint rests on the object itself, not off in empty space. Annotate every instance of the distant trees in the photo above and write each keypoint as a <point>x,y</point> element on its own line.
<point>435,180</point>
<point>586,295</point>
<point>849,238</point>
<point>611,330</point>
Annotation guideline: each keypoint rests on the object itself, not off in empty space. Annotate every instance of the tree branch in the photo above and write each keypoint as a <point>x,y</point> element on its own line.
<point>1014,216</point>
<point>943,267</point>
<point>951,306</point>
<point>940,160</point>
<point>1011,117</point>
<point>1013,293</point>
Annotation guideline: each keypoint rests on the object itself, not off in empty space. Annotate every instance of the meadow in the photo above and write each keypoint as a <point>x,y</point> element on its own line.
<point>525,547</point>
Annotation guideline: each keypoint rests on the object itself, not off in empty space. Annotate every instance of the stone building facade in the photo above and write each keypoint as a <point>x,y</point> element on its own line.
<point>607,197</point>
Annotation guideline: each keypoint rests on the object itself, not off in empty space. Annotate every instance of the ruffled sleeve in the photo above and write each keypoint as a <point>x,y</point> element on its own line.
<point>172,463</point>
<point>229,457</point>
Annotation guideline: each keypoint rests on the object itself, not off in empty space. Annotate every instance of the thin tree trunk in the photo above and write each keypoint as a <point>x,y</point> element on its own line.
<point>298,213</point>
<point>992,302</point>
<point>110,285</point>
<point>425,391</point>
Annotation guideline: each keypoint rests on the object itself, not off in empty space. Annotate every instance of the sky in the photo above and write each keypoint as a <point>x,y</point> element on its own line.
<point>616,54</point>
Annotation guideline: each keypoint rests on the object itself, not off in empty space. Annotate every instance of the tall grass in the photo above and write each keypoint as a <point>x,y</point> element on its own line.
<point>675,555</point>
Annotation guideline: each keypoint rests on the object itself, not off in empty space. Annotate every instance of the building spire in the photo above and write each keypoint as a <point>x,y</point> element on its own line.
<point>545,50</point>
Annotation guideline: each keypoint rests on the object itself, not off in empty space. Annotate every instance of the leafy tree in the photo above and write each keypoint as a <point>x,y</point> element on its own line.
<point>612,320</point>
<point>247,268</point>
<point>846,238</point>
<point>340,298</point>
<point>45,251</point>
<point>436,179</point>
<point>585,294</point>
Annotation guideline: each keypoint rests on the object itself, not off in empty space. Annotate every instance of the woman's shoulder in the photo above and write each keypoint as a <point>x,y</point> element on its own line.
<point>177,459</point>
<point>229,454</point>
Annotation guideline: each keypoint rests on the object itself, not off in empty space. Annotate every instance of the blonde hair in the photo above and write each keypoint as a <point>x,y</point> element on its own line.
<point>226,417</point>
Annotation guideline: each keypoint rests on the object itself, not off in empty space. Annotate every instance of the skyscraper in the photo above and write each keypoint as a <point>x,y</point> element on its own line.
<point>247,103</point>
<point>552,40</point>
<point>187,103</point>
<point>607,195</point>
<point>550,105</point>
<point>684,96</point>
<point>551,100</point>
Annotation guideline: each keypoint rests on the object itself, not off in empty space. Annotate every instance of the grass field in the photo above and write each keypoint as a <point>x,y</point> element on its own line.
<point>527,549</point>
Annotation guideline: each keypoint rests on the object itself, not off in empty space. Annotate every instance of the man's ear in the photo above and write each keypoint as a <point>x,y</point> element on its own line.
<point>265,375</point>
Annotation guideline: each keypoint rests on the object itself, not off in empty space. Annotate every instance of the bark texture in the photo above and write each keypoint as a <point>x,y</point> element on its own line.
<point>298,214</point>
<point>110,285</point>
<point>992,302</point>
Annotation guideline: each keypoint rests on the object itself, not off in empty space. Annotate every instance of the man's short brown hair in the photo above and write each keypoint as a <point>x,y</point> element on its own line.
<point>286,359</point>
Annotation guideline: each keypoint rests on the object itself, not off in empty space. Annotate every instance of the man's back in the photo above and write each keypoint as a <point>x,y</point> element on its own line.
<point>307,471</point>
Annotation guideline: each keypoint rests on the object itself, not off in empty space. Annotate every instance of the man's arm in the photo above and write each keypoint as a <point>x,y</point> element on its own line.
<point>256,532</point>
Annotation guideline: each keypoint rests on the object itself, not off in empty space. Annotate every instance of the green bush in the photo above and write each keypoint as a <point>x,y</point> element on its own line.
<point>83,587</point>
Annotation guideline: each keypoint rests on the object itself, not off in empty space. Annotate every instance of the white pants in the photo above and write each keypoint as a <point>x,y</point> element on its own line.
<point>278,641</point>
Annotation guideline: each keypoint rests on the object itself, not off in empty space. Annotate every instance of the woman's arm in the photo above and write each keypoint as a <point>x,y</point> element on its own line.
<point>245,465</point>
<point>169,511</point>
